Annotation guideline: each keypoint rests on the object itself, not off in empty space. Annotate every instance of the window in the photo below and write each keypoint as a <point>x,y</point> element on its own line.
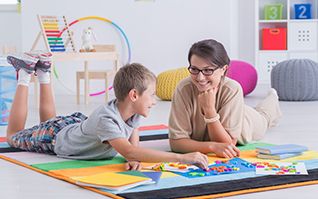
<point>9,5</point>
<point>10,2</point>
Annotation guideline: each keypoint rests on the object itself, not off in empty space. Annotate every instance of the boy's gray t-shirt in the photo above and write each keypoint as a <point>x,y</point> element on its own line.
<point>88,140</point>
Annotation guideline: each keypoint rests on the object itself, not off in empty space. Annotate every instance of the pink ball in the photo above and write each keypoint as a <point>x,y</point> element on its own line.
<point>244,73</point>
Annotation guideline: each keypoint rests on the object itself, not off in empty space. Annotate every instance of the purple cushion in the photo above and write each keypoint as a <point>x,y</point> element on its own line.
<point>244,73</point>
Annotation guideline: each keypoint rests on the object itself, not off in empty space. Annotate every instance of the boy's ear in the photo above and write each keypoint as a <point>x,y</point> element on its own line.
<point>133,95</point>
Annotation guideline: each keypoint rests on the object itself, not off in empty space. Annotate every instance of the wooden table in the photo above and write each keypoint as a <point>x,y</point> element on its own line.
<point>85,57</point>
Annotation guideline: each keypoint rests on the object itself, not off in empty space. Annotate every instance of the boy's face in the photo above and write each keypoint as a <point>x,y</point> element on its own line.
<point>146,100</point>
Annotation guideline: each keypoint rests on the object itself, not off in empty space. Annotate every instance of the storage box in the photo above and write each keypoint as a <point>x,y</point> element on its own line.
<point>303,11</point>
<point>274,39</point>
<point>273,11</point>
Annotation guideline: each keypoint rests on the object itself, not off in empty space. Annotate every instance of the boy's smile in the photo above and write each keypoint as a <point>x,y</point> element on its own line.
<point>147,100</point>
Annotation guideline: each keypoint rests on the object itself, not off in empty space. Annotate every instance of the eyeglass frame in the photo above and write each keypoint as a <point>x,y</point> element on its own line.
<point>202,71</point>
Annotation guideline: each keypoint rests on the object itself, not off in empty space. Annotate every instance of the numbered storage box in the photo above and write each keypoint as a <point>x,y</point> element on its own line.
<point>274,38</point>
<point>302,11</point>
<point>273,11</point>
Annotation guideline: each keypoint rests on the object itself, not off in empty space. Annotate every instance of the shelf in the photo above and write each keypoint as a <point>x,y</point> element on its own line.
<point>300,35</point>
<point>273,21</point>
<point>303,20</point>
<point>273,51</point>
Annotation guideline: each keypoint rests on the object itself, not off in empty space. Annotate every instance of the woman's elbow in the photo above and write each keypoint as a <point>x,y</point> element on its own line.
<point>174,146</point>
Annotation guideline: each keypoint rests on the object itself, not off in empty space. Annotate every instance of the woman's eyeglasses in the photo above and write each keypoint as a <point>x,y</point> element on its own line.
<point>206,71</point>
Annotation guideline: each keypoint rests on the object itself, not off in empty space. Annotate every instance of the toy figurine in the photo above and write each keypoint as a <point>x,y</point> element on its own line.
<point>87,40</point>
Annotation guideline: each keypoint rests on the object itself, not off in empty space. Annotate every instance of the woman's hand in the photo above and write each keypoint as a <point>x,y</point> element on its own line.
<point>207,102</point>
<point>226,150</point>
<point>196,158</point>
<point>133,165</point>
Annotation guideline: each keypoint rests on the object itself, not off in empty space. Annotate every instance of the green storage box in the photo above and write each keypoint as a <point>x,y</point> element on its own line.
<point>273,11</point>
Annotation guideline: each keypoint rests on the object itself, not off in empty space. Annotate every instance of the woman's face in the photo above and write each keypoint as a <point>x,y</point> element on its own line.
<point>205,82</point>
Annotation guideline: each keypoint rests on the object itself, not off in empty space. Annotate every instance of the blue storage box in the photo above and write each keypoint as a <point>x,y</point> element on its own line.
<point>303,11</point>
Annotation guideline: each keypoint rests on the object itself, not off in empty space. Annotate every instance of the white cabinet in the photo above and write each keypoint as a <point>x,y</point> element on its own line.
<point>293,21</point>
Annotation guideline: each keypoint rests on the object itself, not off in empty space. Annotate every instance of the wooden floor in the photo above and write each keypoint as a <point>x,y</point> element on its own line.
<point>298,125</point>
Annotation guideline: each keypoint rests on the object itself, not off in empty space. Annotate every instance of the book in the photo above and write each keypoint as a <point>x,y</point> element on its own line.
<point>278,149</point>
<point>277,156</point>
<point>113,181</point>
<point>154,175</point>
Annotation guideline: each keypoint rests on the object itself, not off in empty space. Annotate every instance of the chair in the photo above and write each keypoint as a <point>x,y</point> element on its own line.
<point>104,74</point>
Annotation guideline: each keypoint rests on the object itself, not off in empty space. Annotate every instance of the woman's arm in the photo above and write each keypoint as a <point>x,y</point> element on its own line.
<point>216,130</point>
<point>217,133</point>
<point>186,145</point>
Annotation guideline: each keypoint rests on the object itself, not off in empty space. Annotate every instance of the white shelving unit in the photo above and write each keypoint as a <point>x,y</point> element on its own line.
<point>302,35</point>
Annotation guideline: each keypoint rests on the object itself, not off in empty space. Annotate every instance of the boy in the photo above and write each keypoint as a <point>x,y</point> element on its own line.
<point>111,128</point>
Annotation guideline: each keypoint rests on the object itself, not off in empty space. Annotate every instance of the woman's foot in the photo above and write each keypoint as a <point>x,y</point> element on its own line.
<point>269,107</point>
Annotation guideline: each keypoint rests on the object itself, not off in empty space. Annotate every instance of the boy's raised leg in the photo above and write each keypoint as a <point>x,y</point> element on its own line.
<point>47,104</point>
<point>19,108</point>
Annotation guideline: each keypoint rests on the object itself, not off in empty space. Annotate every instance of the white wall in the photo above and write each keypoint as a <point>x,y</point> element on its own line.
<point>246,30</point>
<point>160,32</point>
<point>10,23</point>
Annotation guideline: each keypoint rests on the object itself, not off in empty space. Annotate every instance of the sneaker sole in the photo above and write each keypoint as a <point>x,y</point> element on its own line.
<point>20,64</point>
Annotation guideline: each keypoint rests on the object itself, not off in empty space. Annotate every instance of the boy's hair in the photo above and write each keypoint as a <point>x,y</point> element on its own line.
<point>132,76</point>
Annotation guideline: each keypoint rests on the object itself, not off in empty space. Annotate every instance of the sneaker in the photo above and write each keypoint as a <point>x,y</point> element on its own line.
<point>45,60</point>
<point>25,62</point>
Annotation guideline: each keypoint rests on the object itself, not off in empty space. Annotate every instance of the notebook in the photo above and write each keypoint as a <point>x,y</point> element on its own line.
<point>154,175</point>
<point>277,156</point>
<point>113,181</point>
<point>279,149</point>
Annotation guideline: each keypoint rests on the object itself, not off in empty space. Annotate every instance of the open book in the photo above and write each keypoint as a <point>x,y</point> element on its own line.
<point>113,181</point>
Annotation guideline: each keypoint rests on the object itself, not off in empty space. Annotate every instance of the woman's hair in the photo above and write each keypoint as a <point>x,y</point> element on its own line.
<point>132,76</point>
<point>210,50</point>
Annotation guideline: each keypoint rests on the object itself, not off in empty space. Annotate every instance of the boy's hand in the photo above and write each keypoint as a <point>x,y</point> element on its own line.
<point>133,165</point>
<point>196,158</point>
<point>225,150</point>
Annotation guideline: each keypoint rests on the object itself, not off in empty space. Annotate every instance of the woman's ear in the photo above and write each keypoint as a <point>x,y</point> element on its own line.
<point>133,95</point>
<point>224,69</point>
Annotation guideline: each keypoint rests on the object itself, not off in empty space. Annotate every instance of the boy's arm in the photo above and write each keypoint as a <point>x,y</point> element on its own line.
<point>135,153</point>
<point>134,138</point>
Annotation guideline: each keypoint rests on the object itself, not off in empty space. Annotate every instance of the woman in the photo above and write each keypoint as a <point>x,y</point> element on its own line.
<point>208,113</point>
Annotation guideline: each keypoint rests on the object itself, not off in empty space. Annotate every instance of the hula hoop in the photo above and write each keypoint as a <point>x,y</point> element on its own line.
<point>114,25</point>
